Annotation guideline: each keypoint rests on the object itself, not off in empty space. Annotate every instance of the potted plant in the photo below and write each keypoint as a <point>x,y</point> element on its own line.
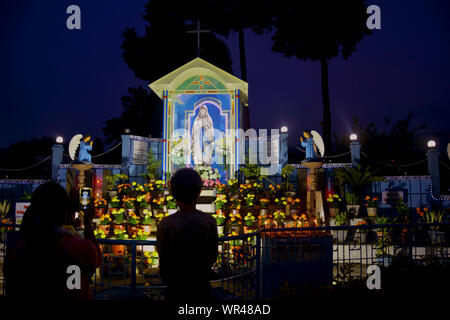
<point>148,190</point>
<point>141,202</point>
<point>159,205</point>
<point>100,234</point>
<point>334,203</point>
<point>147,221</point>
<point>118,249</point>
<point>275,191</point>
<point>233,187</point>
<point>221,188</point>
<point>249,201</point>
<point>352,204</point>
<point>281,203</point>
<point>220,220</point>
<point>129,204</point>
<point>152,258</point>
<point>113,181</point>
<point>133,222</point>
<point>279,217</point>
<point>251,173</point>
<point>100,206</point>
<point>235,206</point>
<point>249,221</point>
<point>171,205</point>
<point>235,222</point>
<point>293,205</point>
<point>382,250</point>
<point>372,205</point>
<point>105,223</point>
<point>264,202</point>
<point>287,187</point>
<point>114,203</point>
<point>340,220</point>
<point>436,233</point>
<point>300,220</point>
<point>220,204</point>
<point>361,233</point>
<point>124,189</point>
<point>152,169</point>
<point>160,187</point>
<point>119,216</point>
<point>140,234</point>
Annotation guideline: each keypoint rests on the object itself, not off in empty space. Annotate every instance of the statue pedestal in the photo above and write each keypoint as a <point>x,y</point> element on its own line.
<point>314,201</point>
<point>81,168</point>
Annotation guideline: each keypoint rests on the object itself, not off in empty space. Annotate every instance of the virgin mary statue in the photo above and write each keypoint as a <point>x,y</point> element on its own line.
<point>203,127</point>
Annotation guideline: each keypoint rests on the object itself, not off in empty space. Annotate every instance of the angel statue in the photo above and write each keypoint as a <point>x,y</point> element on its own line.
<point>313,144</point>
<point>84,144</point>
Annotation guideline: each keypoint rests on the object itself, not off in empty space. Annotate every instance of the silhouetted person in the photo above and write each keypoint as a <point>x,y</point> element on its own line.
<point>187,243</point>
<point>36,266</point>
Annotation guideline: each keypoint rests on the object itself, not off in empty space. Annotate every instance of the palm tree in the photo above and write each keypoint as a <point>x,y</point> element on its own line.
<point>358,179</point>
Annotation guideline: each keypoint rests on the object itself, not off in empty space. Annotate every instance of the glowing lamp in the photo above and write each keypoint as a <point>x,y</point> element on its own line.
<point>59,139</point>
<point>353,137</point>
<point>431,144</point>
<point>284,129</point>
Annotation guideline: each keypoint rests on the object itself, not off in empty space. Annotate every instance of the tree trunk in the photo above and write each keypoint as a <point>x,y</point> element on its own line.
<point>243,61</point>
<point>326,104</point>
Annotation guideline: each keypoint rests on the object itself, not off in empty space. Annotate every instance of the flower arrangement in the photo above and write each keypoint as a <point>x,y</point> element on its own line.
<point>351,198</point>
<point>137,189</point>
<point>264,203</point>
<point>210,176</point>
<point>120,234</point>
<point>140,235</point>
<point>105,220</point>
<point>141,201</point>
<point>160,185</point>
<point>148,187</point>
<point>152,257</point>
<point>118,215</point>
<point>371,202</point>
<point>250,200</point>
<point>133,218</point>
<point>99,233</point>
<point>129,203</point>
<point>159,203</point>
<point>235,204</point>
<point>333,200</point>
<point>281,202</point>
<point>221,188</point>
<point>259,187</point>
<point>362,223</point>
<point>233,186</point>
<point>220,219</point>
<point>249,220</point>
<point>294,203</point>
<point>100,203</point>
<point>221,203</point>
<point>114,202</point>
<point>171,204</point>
<point>235,219</point>
<point>302,220</point>
<point>161,215</point>
<point>279,217</point>
<point>147,217</point>
<point>275,190</point>
<point>124,188</point>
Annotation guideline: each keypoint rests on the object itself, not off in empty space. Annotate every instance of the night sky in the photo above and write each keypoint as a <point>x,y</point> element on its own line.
<point>57,81</point>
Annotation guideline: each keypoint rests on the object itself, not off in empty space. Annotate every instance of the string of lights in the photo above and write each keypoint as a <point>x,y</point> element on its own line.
<point>29,167</point>
<point>444,165</point>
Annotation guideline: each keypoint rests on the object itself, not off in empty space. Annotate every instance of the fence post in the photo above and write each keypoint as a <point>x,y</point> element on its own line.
<point>133,271</point>
<point>57,158</point>
<point>355,149</point>
<point>433,169</point>
<point>258,267</point>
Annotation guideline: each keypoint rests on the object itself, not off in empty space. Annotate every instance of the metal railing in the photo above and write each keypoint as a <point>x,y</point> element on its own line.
<point>264,263</point>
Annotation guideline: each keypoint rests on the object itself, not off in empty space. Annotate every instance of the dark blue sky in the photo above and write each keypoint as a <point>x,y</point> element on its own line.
<point>56,81</point>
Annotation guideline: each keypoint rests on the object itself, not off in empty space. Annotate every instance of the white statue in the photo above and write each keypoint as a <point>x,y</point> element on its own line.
<point>203,127</point>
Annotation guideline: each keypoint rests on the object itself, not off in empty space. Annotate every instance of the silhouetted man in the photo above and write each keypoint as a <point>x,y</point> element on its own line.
<point>187,243</point>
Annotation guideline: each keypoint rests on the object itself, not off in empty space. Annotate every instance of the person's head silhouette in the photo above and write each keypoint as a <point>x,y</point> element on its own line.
<point>186,185</point>
<point>50,207</point>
